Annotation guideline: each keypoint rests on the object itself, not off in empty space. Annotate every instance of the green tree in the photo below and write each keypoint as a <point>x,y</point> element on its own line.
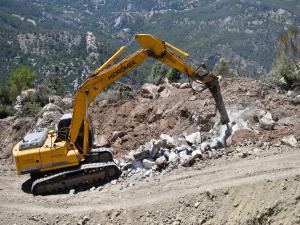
<point>21,79</point>
<point>222,68</point>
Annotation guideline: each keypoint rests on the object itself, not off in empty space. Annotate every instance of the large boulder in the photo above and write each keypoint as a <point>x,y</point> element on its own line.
<point>173,157</point>
<point>197,154</point>
<point>187,160</point>
<point>161,162</point>
<point>148,164</point>
<point>48,117</point>
<point>266,121</point>
<point>194,138</point>
<point>197,86</point>
<point>26,96</point>
<point>169,141</point>
<point>157,145</point>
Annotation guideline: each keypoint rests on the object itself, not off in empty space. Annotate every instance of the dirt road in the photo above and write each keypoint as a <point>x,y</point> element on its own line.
<point>261,190</point>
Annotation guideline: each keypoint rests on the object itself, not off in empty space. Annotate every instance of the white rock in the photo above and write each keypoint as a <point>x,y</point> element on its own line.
<point>99,188</point>
<point>182,153</point>
<point>167,154</point>
<point>289,140</point>
<point>148,164</point>
<point>173,157</point>
<point>117,134</point>
<point>156,146</point>
<point>194,139</point>
<point>204,146</point>
<point>193,98</point>
<point>72,192</point>
<point>197,154</point>
<point>267,122</point>
<point>186,148</point>
<point>290,93</point>
<point>161,162</point>
<point>197,204</point>
<point>101,140</point>
<point>186,160</point>
<point>197,86</point>
<point>184,85</point>
<point>92,189</point>
<point>170,142</point>
<point>149,91</point>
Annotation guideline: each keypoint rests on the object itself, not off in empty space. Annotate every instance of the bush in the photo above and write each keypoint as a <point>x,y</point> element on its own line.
<point>222,68</point>
<point>286,66</point>
<point>5,102</point>
<point>5,111</point>
<point>31,108</point>
<point>173,75</point>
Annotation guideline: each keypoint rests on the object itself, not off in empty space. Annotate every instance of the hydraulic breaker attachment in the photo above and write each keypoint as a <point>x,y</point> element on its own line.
<point>214,87</point>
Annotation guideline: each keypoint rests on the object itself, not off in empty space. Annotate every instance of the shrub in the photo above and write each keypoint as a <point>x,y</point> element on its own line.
<point>21,79</point>
<point>173,75</point>
<point>222,68</point>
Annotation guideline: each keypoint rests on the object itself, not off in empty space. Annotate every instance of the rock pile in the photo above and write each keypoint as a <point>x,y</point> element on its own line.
<point>170,152</point>
<point>161,156</point>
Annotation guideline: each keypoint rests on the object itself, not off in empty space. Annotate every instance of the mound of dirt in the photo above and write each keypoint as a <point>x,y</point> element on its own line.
<point>184,111</point>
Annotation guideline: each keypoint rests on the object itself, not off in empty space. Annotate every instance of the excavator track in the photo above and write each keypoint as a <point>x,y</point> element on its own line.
<point>98,167</point>
<point>82,177</point>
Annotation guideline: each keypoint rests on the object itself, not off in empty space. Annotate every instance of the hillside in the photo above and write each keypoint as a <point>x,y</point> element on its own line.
<point>47,33</point>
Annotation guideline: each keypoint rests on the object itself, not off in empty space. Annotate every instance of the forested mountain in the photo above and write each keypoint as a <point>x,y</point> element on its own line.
<point>78,35</point>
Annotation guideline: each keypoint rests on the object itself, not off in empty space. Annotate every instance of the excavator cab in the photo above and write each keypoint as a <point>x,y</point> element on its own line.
<point>63,129</point>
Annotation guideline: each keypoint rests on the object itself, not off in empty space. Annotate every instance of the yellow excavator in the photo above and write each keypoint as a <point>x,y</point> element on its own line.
<point>65,159</point>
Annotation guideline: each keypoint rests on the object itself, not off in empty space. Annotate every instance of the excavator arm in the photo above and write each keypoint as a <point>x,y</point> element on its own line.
<point>150,47</point>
